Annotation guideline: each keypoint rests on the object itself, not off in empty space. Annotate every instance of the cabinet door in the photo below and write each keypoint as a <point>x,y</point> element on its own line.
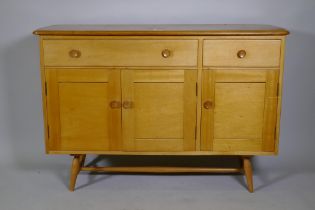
<point>159,110</point>
<point>239,110</point>
<point>81,116</point>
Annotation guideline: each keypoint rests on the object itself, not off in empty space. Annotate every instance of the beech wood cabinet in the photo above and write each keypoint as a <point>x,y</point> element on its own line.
<point>162,90</point>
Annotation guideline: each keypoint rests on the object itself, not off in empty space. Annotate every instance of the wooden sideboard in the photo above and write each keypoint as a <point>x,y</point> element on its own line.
<point>162,90</point>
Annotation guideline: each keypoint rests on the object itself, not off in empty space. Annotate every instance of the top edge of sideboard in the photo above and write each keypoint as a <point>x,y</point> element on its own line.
<point>162,30</point>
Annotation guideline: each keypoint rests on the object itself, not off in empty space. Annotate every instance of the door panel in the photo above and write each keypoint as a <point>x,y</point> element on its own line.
<point>162,101</point>
<point>239,110</point>
<point>79,112</point>
<point>162,116</point>
<point>243,112</point>
<point>83,115</point>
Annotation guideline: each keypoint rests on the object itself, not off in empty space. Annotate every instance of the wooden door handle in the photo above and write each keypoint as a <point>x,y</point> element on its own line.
<point>115,104</point>
<point>207,104</point>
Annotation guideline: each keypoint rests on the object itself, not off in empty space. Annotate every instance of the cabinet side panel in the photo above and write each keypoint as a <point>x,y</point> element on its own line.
<point>44,99</point>
<point>270,113</point>
<point>53,113</point>
<point>280,90</point>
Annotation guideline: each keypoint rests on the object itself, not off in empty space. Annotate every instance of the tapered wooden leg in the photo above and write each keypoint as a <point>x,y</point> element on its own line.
<point>247,167</point>
<point>75,169</point>
<point>82,160</point>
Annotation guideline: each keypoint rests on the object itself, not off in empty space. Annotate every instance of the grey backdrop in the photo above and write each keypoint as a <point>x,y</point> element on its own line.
<point>21,129</point>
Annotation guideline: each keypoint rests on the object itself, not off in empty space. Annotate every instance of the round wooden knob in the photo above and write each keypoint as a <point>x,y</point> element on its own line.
<point>75,53</point>
<point>207,104</point>
<point>115,104</point>
<point>127,104</point>
<point>166,53</point>
<point>241,54</point>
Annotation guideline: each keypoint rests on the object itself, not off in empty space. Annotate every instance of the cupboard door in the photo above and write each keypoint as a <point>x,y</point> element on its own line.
<point>81,112</point>
<point>159,110</point>
<point>239,110</point>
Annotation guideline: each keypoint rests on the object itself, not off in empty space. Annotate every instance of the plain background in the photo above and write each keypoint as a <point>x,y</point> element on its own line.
<point>21,129</point>
<point>21,123</point>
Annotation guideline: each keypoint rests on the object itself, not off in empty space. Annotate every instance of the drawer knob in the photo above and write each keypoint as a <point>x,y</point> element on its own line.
<point>166,53</point>
<point>207,104</point>
<point>127,104</point>
<point>115,104</point>
<point>241,54</point>
<point>75,53</point>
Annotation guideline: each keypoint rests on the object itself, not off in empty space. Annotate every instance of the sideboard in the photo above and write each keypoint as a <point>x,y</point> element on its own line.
<point>162,90</point>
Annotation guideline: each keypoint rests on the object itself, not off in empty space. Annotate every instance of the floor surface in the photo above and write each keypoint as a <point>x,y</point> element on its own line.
<point>46,189</point>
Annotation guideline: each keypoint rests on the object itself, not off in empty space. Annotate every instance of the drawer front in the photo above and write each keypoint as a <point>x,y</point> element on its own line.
<point>241,53</point>
<point>120,52</point>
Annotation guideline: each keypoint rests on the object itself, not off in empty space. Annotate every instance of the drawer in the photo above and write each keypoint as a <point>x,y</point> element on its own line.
<point>241,53</point>
<point>120,52</point>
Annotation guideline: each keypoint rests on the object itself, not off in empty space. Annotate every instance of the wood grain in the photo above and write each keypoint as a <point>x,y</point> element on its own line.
<point>53,113</point>
<point>162,30</point>
<point>201,97</point>
<point>80,117</point>
<point>208,81</point>
<point>243,113</point>
<point>75,169</point>
<point>44,97</point>
<point>120,52</point>
<point>280,90</point>
<point>247,166</point>
<point>170,153</point>
<point>161,170</point>
<point>259,53</point>
<point>239,109</point>
<point>163,117</point>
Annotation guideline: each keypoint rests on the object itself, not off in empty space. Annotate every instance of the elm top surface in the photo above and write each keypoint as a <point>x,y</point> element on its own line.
<point>162,30</point>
